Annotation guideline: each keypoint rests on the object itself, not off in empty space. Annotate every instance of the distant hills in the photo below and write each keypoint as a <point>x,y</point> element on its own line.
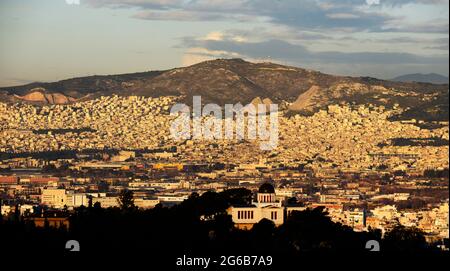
<point>235,80</point>
<point>432,78</point>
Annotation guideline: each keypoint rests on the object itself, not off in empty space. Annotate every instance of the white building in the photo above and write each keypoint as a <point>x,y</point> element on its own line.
<point>146,203</point>
<point>356,219</point>
<point>54,197</point>
<point>266,207</point>
<point>106,201</point>
<point>76,199</point>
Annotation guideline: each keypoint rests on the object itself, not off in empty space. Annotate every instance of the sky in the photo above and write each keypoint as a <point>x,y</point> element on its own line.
<point>51,40</point>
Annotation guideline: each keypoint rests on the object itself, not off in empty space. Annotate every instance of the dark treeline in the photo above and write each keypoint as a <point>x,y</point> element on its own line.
<point>64,131</point>
<point>72,154</point>
<point>433,141</point>
<point>200,225</point>
<point>55,155</point>
<point>434,173</point>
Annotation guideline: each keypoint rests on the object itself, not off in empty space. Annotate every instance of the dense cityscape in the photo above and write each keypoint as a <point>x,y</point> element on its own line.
<point>367,172</point>
<point>224,134</point>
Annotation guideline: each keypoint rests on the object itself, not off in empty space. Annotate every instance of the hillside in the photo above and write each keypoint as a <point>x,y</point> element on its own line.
<point>432,78</point>
<point>235,80</point>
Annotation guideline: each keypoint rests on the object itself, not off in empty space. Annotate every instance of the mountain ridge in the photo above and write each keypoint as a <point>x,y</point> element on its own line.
<point>224,81</point>
<point>432,78</point>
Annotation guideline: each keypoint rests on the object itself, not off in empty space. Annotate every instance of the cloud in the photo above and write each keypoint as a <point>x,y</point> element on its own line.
<point>440,44</point>
<point>432,26</point>
<point>144,4</point>
<point>283,50</point>
<point>179,15</point>
<point>353,15</point>
<point>321,33</point>
<point>197,55</point>
<point>444,47</point>
<point>405,2</point>
<point>300,55</point>
<point>388,3</point>
<point>342,16</point>
<point>410,41</point>
<point>277,32</point>
<point>311,14</point>
<point>216,36</point>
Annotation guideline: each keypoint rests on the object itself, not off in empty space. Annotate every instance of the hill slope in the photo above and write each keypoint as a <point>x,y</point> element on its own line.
<point>235,80</point>
<point>432,78</point>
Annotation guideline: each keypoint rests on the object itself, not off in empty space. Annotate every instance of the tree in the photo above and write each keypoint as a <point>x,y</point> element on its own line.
<point>126,200</point>
<point>17,213</point>
<point>292,201</point>
<point>264,229</point>
<point>313,230</point>
<point>403,239</point>
<point>209,204</point>
<point>239,196</point>
<point>263,236</point>
<point>103,186</point>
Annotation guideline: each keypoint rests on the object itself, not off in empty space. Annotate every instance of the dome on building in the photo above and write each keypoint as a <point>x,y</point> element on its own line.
<point>266,188</point>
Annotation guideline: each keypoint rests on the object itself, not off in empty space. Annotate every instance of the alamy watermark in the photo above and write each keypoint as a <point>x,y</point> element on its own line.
<point>72,245</point>
<point>373,245</point>
<point>250,122</point>
<point>373,2</point>
<point>73,2</point>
